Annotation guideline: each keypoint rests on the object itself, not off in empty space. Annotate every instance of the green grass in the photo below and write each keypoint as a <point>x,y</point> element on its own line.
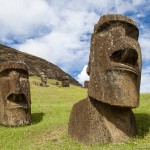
<point>51,108</point>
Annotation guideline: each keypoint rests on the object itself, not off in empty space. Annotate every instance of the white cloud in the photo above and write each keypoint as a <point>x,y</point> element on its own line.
<point>145,84</point>
<point>83,75</point>
<point>144,41</point>
<point>60,48</point>
<point>23,16</point>
<point>145,45</point>
<point>146,70</point>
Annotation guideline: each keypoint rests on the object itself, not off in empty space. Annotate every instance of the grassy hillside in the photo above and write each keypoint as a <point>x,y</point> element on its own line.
<point>50,113</point>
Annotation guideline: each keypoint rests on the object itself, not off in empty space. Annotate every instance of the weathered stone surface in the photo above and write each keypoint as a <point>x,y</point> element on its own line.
<point>65,81</point>
<point>92,121</point>
<point>115,71</point>
<point>86,84</point>
<point>15,102</point>
<point>115,62</point>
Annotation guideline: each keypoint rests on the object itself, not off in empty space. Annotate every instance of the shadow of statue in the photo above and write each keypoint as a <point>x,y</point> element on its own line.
<point>37,117</point>
<point>143,123</point>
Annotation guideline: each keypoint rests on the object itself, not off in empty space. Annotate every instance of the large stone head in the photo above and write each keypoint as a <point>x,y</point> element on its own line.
<point>115,62</point>
<point>15,103</point>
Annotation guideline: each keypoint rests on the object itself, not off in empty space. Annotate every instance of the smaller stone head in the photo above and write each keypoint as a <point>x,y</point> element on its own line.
<point>65,81</point>
<point>86,83</point>
<point>15,102</point>
<point>43,77</point>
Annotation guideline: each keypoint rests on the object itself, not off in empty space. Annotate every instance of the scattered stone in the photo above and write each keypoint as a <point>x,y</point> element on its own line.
<point>15,107</point>
<point>115,72</point>
<point>43,80</point>
<point>36,83</point>
<point>57,83</point>
<point>65,81</point>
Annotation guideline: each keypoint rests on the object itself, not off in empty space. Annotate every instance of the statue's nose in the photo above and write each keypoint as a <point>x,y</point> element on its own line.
<point>15,82</point>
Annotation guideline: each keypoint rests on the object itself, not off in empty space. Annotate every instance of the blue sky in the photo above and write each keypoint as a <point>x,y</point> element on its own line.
<point>60,30</point>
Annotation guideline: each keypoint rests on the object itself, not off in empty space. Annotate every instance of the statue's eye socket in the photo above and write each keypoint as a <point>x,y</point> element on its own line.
<point>4,73</point>
<point>10,72</point>
<point>23,76</point>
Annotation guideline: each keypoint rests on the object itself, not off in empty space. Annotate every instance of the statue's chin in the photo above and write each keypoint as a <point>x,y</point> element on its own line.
<point>117,88</point>
<point>18,116</point>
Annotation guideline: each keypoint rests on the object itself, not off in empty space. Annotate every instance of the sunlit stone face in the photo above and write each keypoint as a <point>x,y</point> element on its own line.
<point>43,80</point>
<point>15,108</point>
<point>115,62</point>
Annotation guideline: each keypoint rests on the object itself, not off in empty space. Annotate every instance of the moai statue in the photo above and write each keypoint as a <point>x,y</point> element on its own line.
<point>65,81</point>
<point>86,83</point>
<point>15,102</point>
<point>43,80</point>
<point>57,83</point>
<point>115,71</point>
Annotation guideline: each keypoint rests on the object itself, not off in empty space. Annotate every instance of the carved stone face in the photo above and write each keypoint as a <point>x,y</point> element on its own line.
<point>15,103</point>
<point>115,62</point>
<point>65,81</point>
<point>44,78</point>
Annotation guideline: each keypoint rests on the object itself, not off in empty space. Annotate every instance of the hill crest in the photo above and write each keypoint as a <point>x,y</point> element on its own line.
<point>35,64</point>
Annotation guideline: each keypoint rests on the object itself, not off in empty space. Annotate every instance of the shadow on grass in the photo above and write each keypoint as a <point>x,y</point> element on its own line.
<point>37,117</point>
<point>143,123</point>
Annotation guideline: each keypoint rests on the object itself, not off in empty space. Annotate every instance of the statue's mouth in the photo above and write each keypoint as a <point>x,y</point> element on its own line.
<point>17,101</point>
<point>124,67</point>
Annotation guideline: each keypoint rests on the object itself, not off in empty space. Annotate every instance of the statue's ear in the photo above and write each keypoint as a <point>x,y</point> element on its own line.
<point>88,70</point>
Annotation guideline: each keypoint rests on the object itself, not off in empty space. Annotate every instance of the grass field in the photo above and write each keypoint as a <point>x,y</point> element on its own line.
<point>51,108</point>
